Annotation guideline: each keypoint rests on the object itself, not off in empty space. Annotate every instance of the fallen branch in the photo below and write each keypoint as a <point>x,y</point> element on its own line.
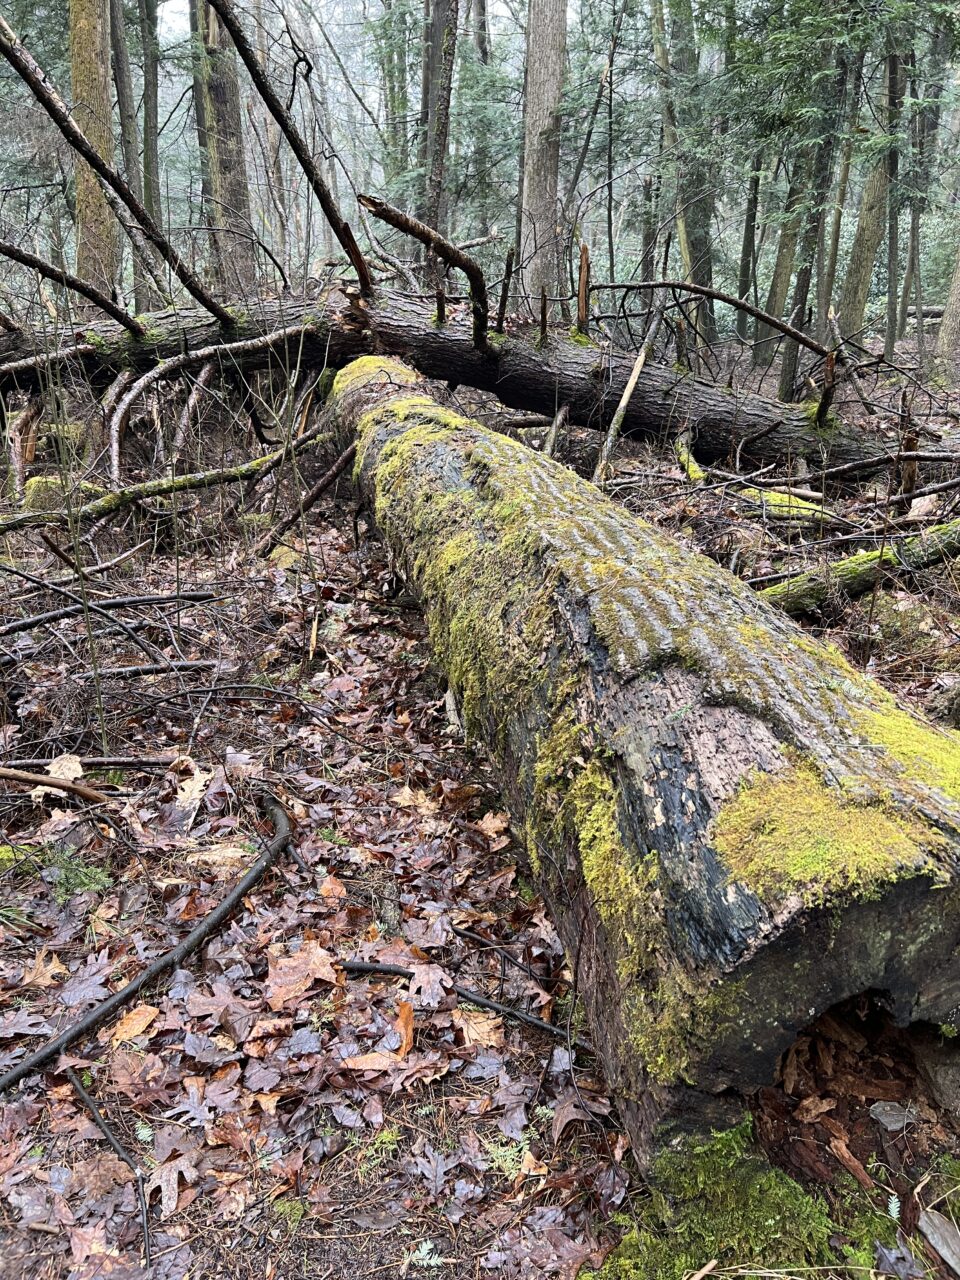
<point>807,593</point>
<point>362,967</point>
<point>605,456</point>
<point>111,503</point>
<point>57,784</point>
<point>169,960</point>
<point>270,539</point>
<point>147,669</point>
<point>166,368</point>
<point>83,287</point>
<point>447,251</point>
<point>98,606</point>
<point>740,304</point>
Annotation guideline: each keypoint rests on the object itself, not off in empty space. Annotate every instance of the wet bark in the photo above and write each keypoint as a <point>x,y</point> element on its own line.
<point>521,373</point>
<point>733,828</point>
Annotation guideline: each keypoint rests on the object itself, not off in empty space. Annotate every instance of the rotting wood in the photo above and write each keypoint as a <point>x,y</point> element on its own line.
<point>734,829</point>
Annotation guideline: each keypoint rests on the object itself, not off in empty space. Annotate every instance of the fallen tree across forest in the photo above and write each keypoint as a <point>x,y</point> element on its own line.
<point>524,374</point>
<point>735,829</point>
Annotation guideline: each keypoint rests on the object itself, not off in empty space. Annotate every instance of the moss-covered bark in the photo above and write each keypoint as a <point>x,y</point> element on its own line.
<point>735,829</point>
<point>855,575</point>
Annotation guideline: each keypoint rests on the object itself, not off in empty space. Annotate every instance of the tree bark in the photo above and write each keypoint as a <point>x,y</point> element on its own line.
<point>734,829</point>
<point>228,208</point>
<point>863,253</point>
<point>546,50</point>
<point>129,133</point>
<point>98,236</point>
<point>765,348</point>
<point>522,374</point>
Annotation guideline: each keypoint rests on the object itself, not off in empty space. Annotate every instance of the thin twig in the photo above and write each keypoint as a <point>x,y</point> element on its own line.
<point>121,1151</point>
<point>56,784</point>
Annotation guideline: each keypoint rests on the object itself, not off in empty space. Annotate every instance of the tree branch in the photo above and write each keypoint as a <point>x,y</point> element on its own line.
<point>83,287</point>
<point>298,145</point>
<point>702,291</point>
<point>444,249</point>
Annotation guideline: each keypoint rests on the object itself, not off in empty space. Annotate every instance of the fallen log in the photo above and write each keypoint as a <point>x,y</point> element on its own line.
<point>735,830</point>
<point>338,326</point>
<point>806,593</point>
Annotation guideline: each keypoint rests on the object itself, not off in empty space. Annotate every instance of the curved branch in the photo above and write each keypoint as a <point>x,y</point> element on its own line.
<point>298,145</point>
<point>83,287</point>
<point>702,291</point>
<point>444,249</point>
<point>36,80</point>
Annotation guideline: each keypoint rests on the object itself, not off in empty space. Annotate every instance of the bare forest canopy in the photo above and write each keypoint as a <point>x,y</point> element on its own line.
<point>631,333</point>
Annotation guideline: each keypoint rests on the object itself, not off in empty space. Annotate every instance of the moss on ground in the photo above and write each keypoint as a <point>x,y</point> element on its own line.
<point>721,1199</point>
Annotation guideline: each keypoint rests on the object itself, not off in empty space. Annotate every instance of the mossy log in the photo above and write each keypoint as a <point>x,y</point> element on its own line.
<point>523,373</point>
<point>807,593</point>
<point>733,827</point>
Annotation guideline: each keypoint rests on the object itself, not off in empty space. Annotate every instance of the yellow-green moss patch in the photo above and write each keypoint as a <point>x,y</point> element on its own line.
<point>366,368</point>
<point>721,1199</point>
<point>926,754</point>
<point>790,831</point>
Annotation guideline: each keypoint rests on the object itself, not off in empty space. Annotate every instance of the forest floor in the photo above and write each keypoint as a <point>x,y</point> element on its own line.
<point>293,1120</point>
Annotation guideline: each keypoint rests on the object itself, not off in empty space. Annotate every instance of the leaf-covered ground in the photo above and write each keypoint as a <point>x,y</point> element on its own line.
<point>289,1120</point>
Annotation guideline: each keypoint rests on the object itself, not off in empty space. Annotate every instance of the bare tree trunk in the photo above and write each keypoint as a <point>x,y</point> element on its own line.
<point>831,113</point>
<point>546,51</point>
<point>98,235</point>
<point>863,253</point>
<point>748,244</point>
<point>151,124</point>
<point>946,356</point>
<point>228,207</point>
<point>765,348</point>
<point>129,133</point>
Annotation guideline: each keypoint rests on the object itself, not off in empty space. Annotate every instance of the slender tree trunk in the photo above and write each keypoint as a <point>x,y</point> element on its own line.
<point>129,133</point>
<point>98,235</point>
<point>748,244</point>
<point>843,181</point>
<point>830,116</point>
<point>228,204</point>
<point>151,122</point>
<point>765,348</point>
<point>863,253</point>
<point>946,355</point>
<point>546,52</point>
<point>893,205</point>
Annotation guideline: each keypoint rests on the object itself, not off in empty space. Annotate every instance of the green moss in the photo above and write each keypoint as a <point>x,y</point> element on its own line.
<point>49,493</point>
<point>581,339</point>
<point>367,369</point>
<point>923,753</point>
<point>790,832</point>
<point>721,1199</point>
<point>691,468</point>
<point>786,506</point>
